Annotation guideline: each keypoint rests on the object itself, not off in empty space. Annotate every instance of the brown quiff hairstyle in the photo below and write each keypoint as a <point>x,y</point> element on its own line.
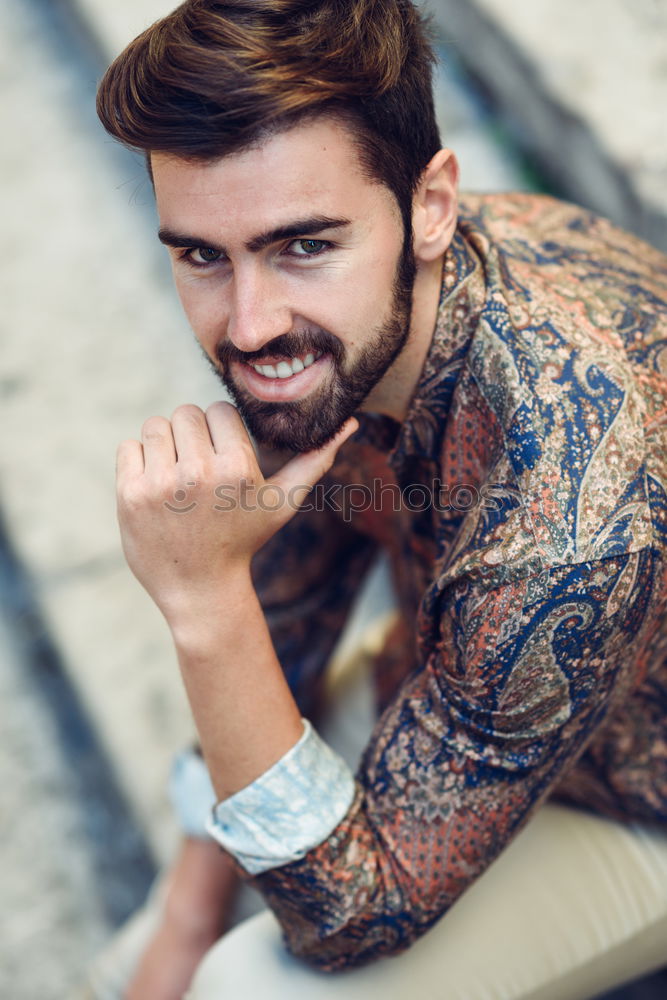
<point>214,77</point>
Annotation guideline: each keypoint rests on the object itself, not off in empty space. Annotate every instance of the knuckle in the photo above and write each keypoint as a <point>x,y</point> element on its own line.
<point>192,472</point>
<point>159,486</point>
<point>138,495</point>
<point>221,408</point>
<point>188,413</point>
<point>126,447</point>
<point>130,496</point>
<point>154,427</point>
<point>235,465</point>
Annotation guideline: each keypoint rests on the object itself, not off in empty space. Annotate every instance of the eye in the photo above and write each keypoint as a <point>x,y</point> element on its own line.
<point>202,256</point>
<point>206,255</point>
<point>308,247</point>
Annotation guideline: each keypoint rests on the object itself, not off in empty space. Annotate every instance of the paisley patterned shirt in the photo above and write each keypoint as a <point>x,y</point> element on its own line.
<point>523,504</point>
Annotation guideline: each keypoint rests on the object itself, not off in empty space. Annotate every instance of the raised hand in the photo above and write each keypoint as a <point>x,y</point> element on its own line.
<point>194,507</point>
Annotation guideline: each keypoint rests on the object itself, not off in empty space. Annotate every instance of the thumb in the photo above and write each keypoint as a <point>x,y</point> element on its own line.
<point>300,474</point>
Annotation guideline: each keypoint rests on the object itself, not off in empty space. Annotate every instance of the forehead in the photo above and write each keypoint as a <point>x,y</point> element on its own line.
<point>313,167</point>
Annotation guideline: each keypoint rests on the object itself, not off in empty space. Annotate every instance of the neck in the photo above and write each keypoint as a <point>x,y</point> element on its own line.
<point>392,395</point>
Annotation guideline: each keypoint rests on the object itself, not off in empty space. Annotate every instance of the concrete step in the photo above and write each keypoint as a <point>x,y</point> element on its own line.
<point>583,87</point>
<point>93,342</point>
<point>74,866</point>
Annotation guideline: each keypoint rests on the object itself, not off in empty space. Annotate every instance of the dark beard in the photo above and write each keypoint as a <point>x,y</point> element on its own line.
<point>309,423</point>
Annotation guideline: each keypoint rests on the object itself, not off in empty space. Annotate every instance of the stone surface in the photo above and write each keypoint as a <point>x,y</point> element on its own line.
<point>93,342</point>
<point>115,24</point>
<point>585,86</point>
<point>52,912</point>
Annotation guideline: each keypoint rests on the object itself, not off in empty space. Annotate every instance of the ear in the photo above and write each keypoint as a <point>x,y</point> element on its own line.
<point>435,207</point>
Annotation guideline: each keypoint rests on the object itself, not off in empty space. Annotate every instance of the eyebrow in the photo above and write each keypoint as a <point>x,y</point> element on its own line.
<point>301,227</point>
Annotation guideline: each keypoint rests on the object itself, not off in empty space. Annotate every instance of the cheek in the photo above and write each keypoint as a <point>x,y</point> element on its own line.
<point>204,308</point>
<point>380,264</point>
<point>370,292</point>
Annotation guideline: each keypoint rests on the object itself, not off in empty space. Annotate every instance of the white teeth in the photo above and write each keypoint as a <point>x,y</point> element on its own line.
<point>284,369</point>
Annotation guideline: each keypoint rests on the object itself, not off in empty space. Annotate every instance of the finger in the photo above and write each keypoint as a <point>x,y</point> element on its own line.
<point>225,426</point>
<point>158,444</point>
<point>191,438</point>
<point>231,440</point>
<point>301,473</point>
<point>129,461</point>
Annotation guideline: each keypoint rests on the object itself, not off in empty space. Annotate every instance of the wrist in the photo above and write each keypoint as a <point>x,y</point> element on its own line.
<point>200,620</point>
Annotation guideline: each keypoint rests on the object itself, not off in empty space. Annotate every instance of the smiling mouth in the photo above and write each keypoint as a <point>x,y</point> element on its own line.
<point>285,369</point>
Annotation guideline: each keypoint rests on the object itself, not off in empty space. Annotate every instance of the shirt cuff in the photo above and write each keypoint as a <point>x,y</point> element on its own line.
<point>288,810</point>
<point>191,793</point>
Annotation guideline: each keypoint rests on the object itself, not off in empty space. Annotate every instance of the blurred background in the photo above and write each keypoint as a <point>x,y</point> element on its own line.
<point>546,95</point>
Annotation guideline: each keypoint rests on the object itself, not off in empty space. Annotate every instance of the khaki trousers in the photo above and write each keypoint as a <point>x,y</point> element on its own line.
<point>573,907</point>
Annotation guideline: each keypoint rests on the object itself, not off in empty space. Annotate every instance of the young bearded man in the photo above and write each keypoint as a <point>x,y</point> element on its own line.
<point>489,378</point>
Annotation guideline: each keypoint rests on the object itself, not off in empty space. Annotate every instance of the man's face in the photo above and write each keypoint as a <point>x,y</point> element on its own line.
<point>292,270</point>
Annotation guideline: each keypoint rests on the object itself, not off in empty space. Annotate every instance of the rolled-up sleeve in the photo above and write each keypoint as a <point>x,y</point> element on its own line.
<point>289,809</point>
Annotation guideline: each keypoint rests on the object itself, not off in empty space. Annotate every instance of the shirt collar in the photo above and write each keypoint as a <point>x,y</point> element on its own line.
<point>461,300</point>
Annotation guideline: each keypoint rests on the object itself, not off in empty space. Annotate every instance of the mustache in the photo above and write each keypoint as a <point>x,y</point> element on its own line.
<point>291,345</point>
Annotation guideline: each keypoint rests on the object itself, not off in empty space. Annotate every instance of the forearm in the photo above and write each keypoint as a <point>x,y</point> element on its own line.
<point>202,888</point>
<point>244,712</point>
<point>195,564</point>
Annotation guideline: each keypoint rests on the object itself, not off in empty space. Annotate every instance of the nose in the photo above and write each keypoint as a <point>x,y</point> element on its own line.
<point>258,310</point>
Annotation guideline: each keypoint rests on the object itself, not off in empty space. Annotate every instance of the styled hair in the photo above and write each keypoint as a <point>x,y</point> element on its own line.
<point>216,76</point>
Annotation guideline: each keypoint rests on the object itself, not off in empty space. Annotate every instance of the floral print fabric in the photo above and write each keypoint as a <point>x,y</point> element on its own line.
<point>523,504</point>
